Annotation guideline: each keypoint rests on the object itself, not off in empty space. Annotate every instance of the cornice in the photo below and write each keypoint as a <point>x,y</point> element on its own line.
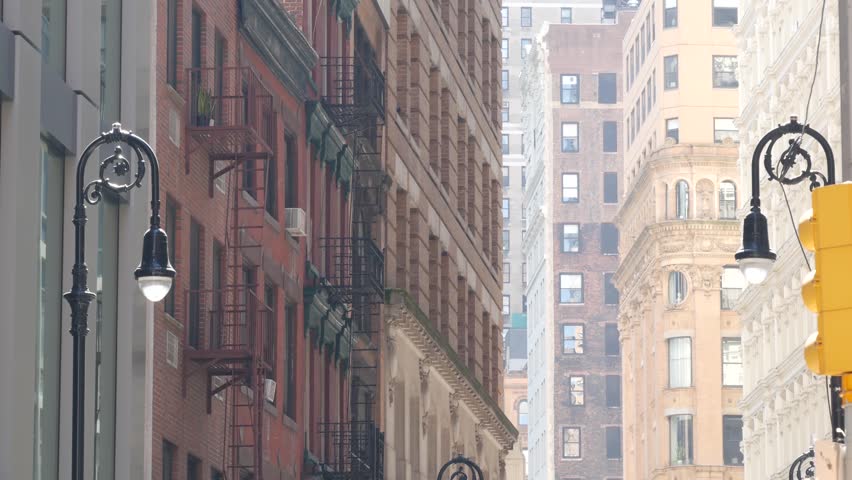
<point>403,313</point>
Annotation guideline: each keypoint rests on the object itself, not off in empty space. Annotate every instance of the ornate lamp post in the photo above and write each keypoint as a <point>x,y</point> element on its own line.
<point>756,257</point>
<point>154,274</point>
<point>463,469</point>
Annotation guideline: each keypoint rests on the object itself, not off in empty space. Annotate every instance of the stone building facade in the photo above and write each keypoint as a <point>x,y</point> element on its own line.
<point>574,165</point>
<point>442,379</point>
<point>680,338</point>
<point>778,55</point>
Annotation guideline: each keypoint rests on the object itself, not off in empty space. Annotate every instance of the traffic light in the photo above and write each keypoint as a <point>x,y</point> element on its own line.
<point>827,231</point>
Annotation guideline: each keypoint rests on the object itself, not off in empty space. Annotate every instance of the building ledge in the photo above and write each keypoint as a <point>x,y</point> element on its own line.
<point>404,313</point>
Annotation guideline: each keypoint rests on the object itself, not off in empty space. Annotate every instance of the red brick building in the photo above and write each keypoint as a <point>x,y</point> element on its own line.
<point>254,362</point>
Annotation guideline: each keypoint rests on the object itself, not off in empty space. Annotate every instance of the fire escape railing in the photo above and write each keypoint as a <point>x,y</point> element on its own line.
<point>353,451</point>
<point>353,89</point>
<point>355,266</point>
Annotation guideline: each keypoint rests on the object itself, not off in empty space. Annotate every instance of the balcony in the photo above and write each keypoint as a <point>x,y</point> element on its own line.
<point>355,268</point>
<point>229,112</point>
<point>354,91</point>
<point>353,451</point>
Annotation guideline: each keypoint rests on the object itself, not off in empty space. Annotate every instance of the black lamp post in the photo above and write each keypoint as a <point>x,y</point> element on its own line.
<point>462,469</point>
<point>755,257</point>
<point>154,274</point>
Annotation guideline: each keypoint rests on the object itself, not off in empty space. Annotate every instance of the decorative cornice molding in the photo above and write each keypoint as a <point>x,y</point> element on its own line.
<point>402,312</point>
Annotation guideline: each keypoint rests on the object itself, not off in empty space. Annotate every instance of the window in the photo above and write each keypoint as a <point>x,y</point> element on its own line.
<point>611,296</point>
<point>571,442</point>
<point>571,238</point>
<point>169,451</point>
<point>727,200</point>
<point>670,14</point>
<point>171,231</point>
<point>677,288</point>
<point>523,412</point>
<point>570,187</point>
<point>505,209</point>
<point>724,128</point>
<point>505,177</point>
<point>682,199</point>
<point>670,68</point>
<point>566,15</point>
<point>270,297</point>
<point>196,44</point>
<point>216,474</point>
<point>611,345</point>
<point>570,288</point>
<point>610,187</point>
<point>505,79</point>
<point>570,137</point>
<point>291,178</point>
<point>673,129</point>
<point>610,137</point>
<point>524,177</point>
<point>505,241</point>
<point>524,280</point>
<point>53,21</point>
<point>504,114</point>
<point>570,88</point>
<point>219,48</point>
<point>272,188</point>
<point>607,88</point>
<point>505,144</point>
<point>613,391</point>
<point>732,285</point>
<point>526,16</point>
<point>680,439</point>
<point>613,442</point>
<point>732,362</point>
<point>194,316</point>
<point>609,239</point>
<point>193,468</point>
<point>725,71</point>
<point>504,17</point>
<point>526,46</point>
<point>725,12</point>
<point>680,362</point>
<point>526,454</point>
<point>572,339</point>
<point>289,361</point>
<point>507,272</point>
<point>576,386</point>
<point>171,43</point>
<point>732,435</point>
<point>504,48</point>
<point>507,305</point>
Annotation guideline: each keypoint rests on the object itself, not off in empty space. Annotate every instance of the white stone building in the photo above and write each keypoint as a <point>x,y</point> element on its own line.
<point>784,405</point>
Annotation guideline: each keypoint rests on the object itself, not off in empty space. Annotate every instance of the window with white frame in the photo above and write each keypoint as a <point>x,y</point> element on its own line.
<point>504,17</point>
<point>571,288</point>
<point>505,144</point>
<point>507,305</point>
<point>571,442</point>
<point>733,284</point>
<point>732,362</point>
<point>566,15</point>
<point>526,17</point>
<point>504,82</point>
<point>680,439</point>
<point>680,362</point>
<point>572,339</point>
<point>570,137</point>
<point>570,88</point>
<point>571,238</point>
<point>570,187</point>
<point>505,176</point>
<point>504,48</point>
<point>505,241</point>
<point>523,412</point>
<point>576,390</point>
<point>507,272</point>
<point>504,114</point>
<point>505,209</point>
<point>724,128</point>
<point>526,46</point>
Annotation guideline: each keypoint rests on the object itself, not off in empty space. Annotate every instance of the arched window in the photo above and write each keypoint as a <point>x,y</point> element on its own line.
<point>677,288</point>
<point>523,412</point>
<point>727,201</point>
<point>682,199</point>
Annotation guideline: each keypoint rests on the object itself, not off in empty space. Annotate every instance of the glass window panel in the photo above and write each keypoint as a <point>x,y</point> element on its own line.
<point>680,439</point>
<point>610,137</point>
<point>576,386</point>
<point>504,16</point>
<point>572,339</point>
<point>613,443</point>
<point>526,16</point>
<point>670,65</point>
<point>732,362</point>
<point>566,15</point>
<point>570,139</point>
<point>677,288</point>
<point>682,199</point>
<point>610,187</point>
<point>732,436</point>
<point>680,362</point>
<point>613,390</point>
<point>570,88</point>
<point>571,288</point>
<point>724,128</point>
<point>571,446</point>
<point>571,238</point>
<point>611,344</point>
<point>725,72</point>
<point>733,284</point>
<point>523,412</point>
<point>53,40</point>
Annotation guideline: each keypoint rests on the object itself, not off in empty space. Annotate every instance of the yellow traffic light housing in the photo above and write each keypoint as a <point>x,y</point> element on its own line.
<point>827,231</point>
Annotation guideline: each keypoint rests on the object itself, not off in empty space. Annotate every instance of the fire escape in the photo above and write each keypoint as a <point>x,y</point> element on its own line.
<point>355,100</point>
<point>231,121</point>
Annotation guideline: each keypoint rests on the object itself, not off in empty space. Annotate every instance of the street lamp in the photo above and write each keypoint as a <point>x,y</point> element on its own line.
<point>755,258</point>
<point>465,469</point>
<point>154,274</point>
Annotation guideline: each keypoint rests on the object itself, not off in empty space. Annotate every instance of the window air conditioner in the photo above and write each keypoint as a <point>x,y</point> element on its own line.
<point>295,222</point>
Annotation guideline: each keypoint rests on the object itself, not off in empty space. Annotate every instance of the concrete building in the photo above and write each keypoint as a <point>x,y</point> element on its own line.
<point>777,48</point>
<point>680,338</point>
<point>573,160</point>
<point>442,380</point>
<point>52,103</point>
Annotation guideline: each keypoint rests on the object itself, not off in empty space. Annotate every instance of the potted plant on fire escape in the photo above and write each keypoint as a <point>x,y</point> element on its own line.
<point>205,108</point>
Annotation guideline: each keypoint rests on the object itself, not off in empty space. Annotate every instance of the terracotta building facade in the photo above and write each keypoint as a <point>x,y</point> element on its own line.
<point>679,333</point>
<point>574,168</point>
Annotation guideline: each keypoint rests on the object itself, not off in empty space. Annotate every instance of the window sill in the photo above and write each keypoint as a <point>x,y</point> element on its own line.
<point>172,320</point>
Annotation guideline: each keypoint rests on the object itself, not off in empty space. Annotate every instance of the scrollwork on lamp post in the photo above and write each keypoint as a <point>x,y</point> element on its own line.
<point>154,274</point>
<point>462,468</point>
